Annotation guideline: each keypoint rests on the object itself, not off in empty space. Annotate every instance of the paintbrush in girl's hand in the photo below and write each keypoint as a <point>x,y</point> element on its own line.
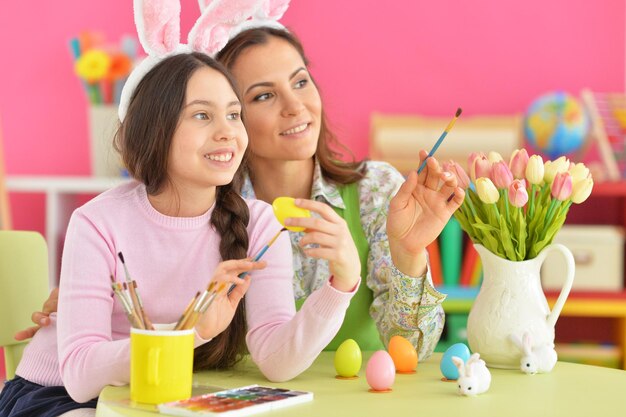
<point>259,255</point>
<point>443,135</point>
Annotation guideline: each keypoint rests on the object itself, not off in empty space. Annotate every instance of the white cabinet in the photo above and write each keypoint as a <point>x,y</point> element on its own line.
<point>60,194</point>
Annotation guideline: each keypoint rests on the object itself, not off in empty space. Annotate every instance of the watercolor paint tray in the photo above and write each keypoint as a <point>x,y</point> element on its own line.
<point>242,401</point>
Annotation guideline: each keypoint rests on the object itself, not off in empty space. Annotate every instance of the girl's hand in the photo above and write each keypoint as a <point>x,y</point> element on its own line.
<point>331,233</point>
<point>221,312</point>
<point>418,213</point>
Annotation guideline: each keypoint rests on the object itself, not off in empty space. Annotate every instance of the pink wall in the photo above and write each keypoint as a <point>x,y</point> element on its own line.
<point>412,56</point>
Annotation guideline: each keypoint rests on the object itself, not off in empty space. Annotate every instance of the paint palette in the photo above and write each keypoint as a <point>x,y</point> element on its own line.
<point>242,401</point>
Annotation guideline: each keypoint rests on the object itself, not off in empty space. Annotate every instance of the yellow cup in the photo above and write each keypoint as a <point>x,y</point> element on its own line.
<point>161,364</point>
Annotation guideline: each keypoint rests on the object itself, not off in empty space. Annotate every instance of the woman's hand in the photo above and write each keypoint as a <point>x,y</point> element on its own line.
<point>418,214</point>
<point>221,312</point>
<point>331,233</point>
<point>40,318</point>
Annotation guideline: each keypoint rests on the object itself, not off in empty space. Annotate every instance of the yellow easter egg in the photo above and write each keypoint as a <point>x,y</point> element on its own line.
<point>403,354</point>
<point>285,207</point>
<point>348,359</point>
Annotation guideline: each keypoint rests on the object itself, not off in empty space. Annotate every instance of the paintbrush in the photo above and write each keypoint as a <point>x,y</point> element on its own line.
<point>186,312</point>
<point>132,316</point>
<point>196,303</point>
<point>258,256</point>
<point>134,295</point>
<point>443,135</point>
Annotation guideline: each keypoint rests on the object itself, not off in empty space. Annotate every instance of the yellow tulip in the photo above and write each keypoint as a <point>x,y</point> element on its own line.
<point>494,157</point>
<point>535,170</point>
<point>581,190</point>
<point>551,168</point>
<point>487,192</point>
<point>579,172</point>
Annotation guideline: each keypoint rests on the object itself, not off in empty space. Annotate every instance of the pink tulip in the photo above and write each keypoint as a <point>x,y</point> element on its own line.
<point>561,186</point>
<point>460,174</point>
<point>472,156</point>
<point>501,175</point>
<point>518,196</point>
<point>518,163</point>
<point>481,168</point>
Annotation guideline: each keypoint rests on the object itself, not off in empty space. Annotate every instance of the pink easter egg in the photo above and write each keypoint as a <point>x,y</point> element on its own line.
<point>380,372</point>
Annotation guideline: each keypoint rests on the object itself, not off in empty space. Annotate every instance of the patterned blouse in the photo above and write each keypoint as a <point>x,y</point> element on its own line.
<point>403,305</point>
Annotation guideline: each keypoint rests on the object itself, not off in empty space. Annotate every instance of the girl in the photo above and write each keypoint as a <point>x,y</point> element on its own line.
<point>179,225</point>
<point>291,153</point>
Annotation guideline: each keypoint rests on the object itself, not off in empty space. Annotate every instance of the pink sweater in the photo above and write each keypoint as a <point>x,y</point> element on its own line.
<point>170,258</point>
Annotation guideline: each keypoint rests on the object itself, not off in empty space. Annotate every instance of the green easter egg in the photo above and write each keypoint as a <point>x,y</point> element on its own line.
<point>348,359</point>
<point>285,207</point>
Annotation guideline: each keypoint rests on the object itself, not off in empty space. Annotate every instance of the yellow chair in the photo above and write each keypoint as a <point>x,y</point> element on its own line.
<point>23,288</point>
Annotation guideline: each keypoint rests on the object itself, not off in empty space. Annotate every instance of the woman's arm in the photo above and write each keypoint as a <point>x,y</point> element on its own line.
<point>406,305</point>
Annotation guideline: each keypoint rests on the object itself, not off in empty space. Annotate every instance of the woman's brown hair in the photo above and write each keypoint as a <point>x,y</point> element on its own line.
<point>144,140</point>
<point>326,154</point>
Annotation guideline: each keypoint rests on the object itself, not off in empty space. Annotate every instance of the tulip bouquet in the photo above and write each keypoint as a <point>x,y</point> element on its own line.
<point>514,209</point>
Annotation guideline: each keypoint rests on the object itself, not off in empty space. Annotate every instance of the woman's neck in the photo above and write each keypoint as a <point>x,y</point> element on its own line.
<point>272,179</point>
<point>183,201</point>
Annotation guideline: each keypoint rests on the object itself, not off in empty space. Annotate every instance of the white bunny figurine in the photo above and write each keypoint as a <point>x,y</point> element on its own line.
<point>537,359</point>
<point>474,377</point>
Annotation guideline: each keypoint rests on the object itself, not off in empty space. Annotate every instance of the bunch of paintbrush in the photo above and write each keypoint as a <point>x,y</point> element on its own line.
<point>131,312</point>
<point>201,302</point>
<point>199,305</point>
<point>131,300</point>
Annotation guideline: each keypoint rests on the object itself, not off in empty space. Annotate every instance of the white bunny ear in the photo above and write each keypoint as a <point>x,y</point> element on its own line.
<point>274,9</point>
<point>158,25</point>
<point>527,343</point>
<point>204,4</point>
<point>460,365</point>
<point>212,30</point>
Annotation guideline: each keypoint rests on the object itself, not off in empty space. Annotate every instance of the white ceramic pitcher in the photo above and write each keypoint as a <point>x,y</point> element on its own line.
<point>511,301</point>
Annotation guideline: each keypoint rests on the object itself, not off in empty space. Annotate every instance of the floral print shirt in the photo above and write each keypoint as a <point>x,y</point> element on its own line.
<point>403,305</point>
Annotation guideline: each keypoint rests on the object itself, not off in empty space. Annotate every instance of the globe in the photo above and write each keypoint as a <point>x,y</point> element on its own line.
<point>556,124</point>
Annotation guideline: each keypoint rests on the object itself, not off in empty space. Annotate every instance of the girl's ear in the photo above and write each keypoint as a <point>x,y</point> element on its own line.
<point>158,25</point>
<point>211,31</point>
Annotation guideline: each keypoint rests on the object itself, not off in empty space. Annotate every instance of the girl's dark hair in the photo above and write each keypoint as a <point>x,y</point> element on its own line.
<point>144,140</point>
<point>326,154</point>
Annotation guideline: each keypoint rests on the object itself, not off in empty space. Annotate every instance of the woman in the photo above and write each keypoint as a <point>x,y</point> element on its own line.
<point>291,154</point>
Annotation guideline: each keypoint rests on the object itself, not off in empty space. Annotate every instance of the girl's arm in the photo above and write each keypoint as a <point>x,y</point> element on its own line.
<point>89,359</point>
<point>284,343</point>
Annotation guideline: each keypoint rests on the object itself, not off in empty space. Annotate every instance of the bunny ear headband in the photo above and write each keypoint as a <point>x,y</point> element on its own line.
<point>158,27</point>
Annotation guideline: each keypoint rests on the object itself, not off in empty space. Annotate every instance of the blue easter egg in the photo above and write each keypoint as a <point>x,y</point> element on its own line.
<point>448,369</point>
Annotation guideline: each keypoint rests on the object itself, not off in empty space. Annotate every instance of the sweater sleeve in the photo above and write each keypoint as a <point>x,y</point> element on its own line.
<point>284,343</point>
<point>89,359</point>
